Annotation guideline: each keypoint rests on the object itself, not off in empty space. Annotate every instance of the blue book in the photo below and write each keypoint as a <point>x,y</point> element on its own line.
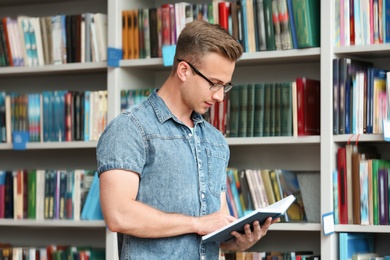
<point>292,24</point>
<point>348,89</point>
<point>235,192</point>
<point>353,243</point>
<point>335,180</point>
<point>92,209</point>
<point>244,26</point>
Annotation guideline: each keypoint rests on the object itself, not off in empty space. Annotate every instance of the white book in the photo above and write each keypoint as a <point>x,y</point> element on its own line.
<point>275,210</point>
<point>40,200</point>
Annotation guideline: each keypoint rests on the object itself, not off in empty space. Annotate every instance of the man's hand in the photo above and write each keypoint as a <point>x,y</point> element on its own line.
<point>249,237</point>
<point>212,222</point>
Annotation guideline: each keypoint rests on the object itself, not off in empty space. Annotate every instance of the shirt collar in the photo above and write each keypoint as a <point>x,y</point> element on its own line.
<point>162,111</point>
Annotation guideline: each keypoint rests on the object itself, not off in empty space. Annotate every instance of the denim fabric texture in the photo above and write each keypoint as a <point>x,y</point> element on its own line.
<point>180,171</point>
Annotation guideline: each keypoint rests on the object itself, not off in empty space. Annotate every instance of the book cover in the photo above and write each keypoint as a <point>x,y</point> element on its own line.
<point>308,106</point>
<point>290,186</point>
<point>276,24</point>
<point>342,183</point>
<point>309,185</point>
<point>353,243</point>
<point>286,110</point>
<point>364,193</point>
<point>383,204</point>
<point>258,124</point>
<point>246,193</point>
<point>290,11</point>
<point>260,26</point>
<point>336,97</point>
<point>250,111</point>
<point>307,22</point>
<point>32,194</point>
<point>253,188</point>
<point>125,29</point>
<point>92,209</point>
<point>275,210</point>
<point>285,26</point>
<point>2,193</point>
<point>243,96</point>
<point>9,195</point>
<point>269,28</point>
<point>268,186</point>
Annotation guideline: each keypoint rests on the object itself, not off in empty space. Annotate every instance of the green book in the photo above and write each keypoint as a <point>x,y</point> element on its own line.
<point>267,109</point>
<point>269,25</point>
<point>376,165</point>
<point>259,110</point>
<point>234,111</point>
<point>250,111</point>
<point>32,194</point>
<point>277,109</point>
<point>307,22</point>
<point>286,109</point>
<point>242,126</point>
<point>272,117</point>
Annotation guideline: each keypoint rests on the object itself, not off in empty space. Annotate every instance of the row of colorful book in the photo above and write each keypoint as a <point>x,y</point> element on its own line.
<point>258,25</point>
<point>249,189</point>
<point>360,97</point>
<point>131,97</point>
<point>53,116</point>
<point>259,109</point>
<point>294,255</point>
<point>361,186</point>
<point>362,23</point>
<point>36,41</point>
<point>51,252</point>
<point>270,109</point>
<point>50,194</point>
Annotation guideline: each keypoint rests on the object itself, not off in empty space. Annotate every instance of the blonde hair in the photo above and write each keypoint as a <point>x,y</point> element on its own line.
<point>199,38</point>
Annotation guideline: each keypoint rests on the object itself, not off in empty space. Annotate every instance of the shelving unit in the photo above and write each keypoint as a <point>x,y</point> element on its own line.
<point>52,155</point>
<point>313,153</point>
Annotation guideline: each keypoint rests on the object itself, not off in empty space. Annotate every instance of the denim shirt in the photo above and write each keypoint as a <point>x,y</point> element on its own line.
<point>181,171</point>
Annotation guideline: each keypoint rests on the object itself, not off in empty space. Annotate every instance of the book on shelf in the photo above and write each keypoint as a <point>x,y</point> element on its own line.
<point>269,28</point>
<point>308,106</point>
<point>92,209</point>
<point>307,22</point>
<point>275,210</point>
<point>353,243</point>
<point>309,185</point>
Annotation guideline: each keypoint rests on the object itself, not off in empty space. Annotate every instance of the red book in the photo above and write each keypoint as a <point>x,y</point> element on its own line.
<point>166,24</point>
<point>223,12</point>
<point>308,106</point>
<point>2,193</point>
<point>351,23</point>
<point>68,116</point>
<point>342,184</point>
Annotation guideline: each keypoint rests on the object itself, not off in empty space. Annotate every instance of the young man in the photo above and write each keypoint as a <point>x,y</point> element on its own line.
<point>163,168</point>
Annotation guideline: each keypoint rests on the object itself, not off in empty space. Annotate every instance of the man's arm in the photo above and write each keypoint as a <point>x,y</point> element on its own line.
<point>122,213</point>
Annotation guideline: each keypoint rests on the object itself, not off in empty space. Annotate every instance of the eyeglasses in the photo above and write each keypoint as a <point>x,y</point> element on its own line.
<point>213,86</point>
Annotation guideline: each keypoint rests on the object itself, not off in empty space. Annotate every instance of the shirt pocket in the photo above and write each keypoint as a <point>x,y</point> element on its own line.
<point>216,170</point>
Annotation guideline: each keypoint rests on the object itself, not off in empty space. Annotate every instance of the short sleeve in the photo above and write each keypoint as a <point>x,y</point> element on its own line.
<point>121,146</point>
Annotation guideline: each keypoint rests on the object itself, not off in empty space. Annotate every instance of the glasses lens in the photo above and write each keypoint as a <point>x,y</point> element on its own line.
<point>228,87</point>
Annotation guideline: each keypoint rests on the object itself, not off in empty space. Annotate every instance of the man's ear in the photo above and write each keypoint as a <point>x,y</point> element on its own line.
<point>182,71</point>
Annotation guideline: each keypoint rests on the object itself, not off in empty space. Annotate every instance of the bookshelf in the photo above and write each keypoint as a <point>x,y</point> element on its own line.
<point>313,153</point>
<point>52,155</point>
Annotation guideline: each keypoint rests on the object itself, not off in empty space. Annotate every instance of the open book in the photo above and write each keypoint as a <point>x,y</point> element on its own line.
<point>274,211</point>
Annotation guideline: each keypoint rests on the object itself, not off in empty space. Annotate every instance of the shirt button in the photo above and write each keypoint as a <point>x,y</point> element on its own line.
<point>202,257</point>
<point>202,195</point>
<point>190,134</point>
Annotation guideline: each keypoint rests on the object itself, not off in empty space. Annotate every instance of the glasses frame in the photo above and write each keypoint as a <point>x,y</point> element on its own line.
<point>213,86</point>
